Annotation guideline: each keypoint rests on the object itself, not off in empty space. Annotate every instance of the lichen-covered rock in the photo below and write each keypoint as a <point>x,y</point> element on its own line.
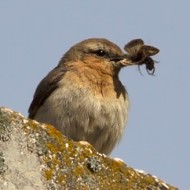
<point>37,156</point>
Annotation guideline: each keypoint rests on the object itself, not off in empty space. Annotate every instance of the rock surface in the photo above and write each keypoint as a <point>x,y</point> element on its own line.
<point>37,156</point>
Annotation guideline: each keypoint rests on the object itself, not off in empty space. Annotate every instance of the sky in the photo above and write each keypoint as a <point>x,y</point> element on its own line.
<point>35,34</point>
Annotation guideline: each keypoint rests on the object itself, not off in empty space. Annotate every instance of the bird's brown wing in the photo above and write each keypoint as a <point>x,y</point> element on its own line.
<point>45,88</point>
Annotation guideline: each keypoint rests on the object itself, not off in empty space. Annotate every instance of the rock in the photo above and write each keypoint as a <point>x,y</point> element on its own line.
<point>37,156</point>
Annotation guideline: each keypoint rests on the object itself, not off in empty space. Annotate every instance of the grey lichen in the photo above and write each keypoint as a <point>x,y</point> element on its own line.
<point>94,164</point>
<point>5,130</point>
<point>3,166</point>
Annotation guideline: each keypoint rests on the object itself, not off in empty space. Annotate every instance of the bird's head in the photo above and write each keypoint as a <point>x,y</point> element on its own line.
<point>105,56</point>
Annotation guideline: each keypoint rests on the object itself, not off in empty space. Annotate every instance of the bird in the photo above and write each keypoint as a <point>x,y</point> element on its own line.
<point>83,96</point>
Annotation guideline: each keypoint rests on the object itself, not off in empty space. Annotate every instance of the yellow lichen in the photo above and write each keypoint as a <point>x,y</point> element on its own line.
<point>78,171</point>
<point>48,174</point>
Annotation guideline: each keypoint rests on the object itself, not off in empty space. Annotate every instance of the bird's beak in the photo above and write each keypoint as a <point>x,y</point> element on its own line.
<point>123,60</point>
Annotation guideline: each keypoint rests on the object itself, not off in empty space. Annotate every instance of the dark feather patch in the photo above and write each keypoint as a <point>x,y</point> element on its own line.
<point>45,88</point>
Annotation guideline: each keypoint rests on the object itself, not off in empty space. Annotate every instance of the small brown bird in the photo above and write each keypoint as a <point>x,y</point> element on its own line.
<point>83,96</point>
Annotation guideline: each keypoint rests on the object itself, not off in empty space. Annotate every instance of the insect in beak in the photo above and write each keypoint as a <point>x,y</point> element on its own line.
<point>139,54</point>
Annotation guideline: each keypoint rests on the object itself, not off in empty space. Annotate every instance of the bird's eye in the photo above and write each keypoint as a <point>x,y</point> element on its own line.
<point>100,53</point>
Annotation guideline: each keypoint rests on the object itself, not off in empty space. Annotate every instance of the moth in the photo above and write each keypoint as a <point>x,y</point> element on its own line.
<point>139,54</point>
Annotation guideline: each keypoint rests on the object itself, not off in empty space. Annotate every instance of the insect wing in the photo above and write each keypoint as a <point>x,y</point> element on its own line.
<point>134,46</point>
<point>149,50</point>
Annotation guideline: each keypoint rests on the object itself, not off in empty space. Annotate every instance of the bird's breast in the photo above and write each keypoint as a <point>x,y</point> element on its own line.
<point>85,112</point>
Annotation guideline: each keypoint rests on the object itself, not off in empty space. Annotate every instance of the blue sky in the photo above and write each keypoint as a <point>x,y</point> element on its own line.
<point>35,34</point>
